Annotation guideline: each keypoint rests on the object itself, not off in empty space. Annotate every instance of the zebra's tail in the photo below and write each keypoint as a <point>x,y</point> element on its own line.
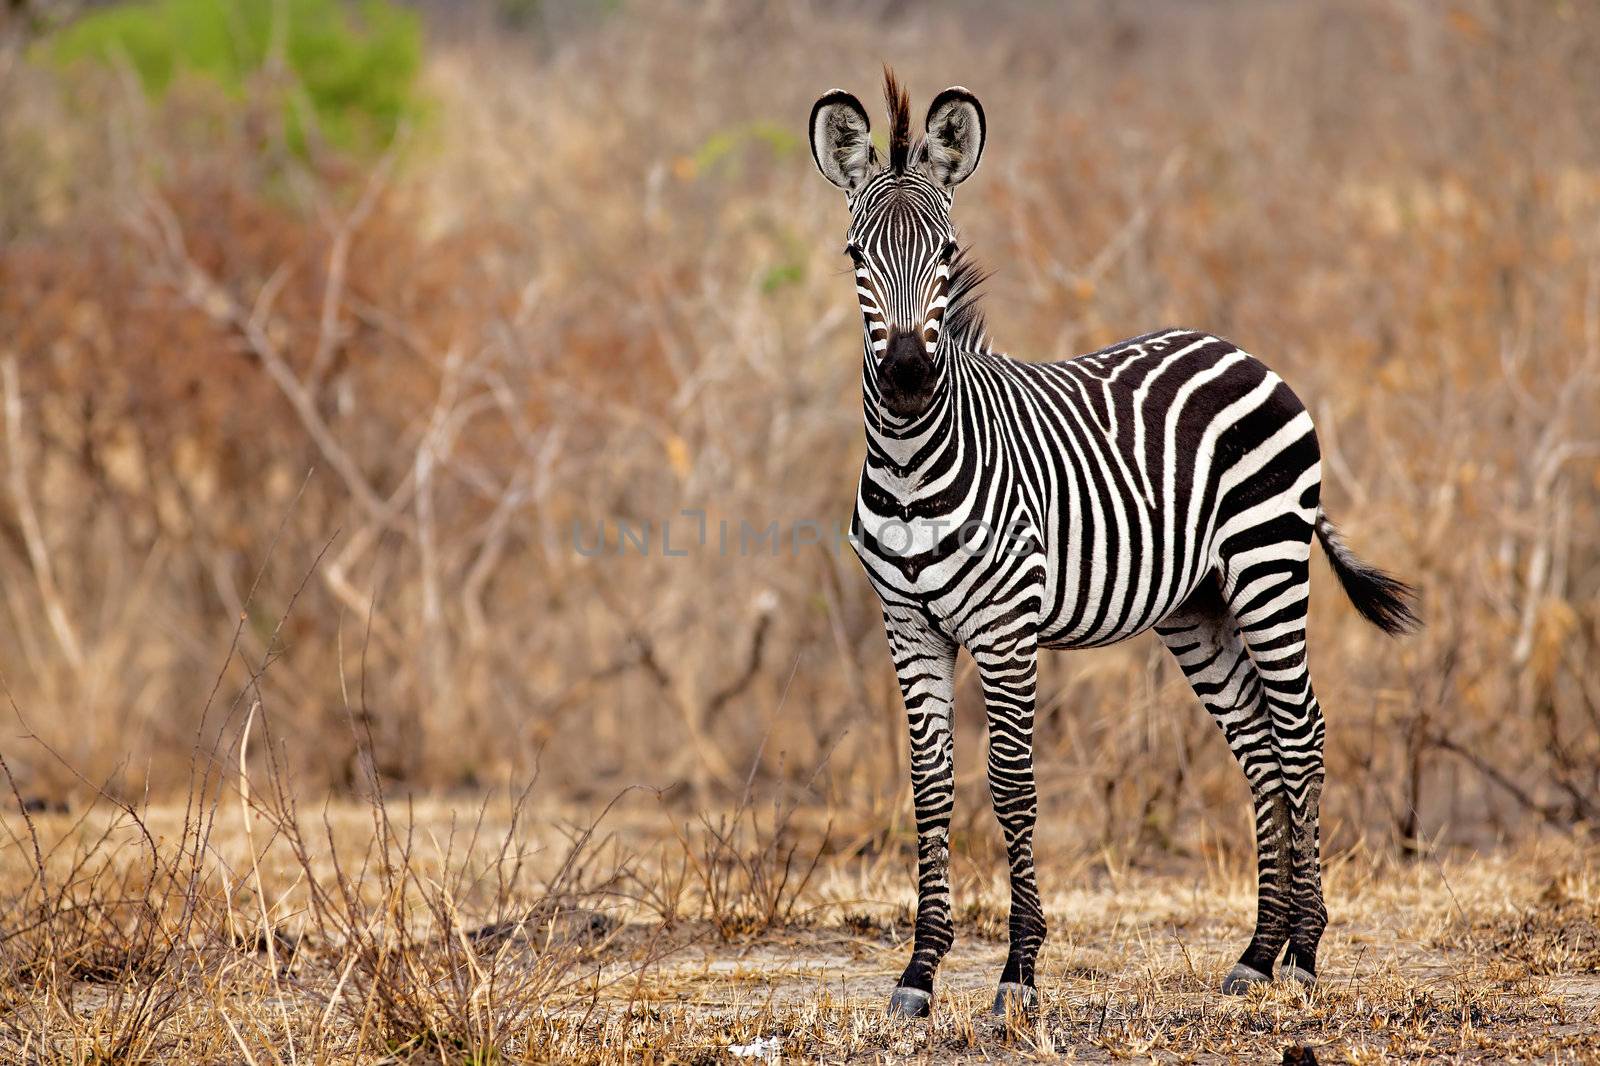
<point>1384,600</point>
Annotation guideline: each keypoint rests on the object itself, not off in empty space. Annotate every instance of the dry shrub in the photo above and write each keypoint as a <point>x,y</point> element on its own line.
<point>131,943</point>
<point>108,929</point>
<point>750,869</point>
<point>602,286</point>
<point>455,963</point>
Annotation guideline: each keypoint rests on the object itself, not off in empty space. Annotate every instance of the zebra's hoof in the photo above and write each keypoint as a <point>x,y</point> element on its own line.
<point>1290,972</point>
<point>1015,996</point>
<point>910,1003</point>
<point>1240,978</point>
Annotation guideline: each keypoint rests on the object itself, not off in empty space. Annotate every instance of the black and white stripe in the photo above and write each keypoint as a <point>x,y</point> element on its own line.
<point>1170,483</point>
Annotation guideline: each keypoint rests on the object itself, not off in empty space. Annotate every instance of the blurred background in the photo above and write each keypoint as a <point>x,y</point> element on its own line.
<point>328,330</point>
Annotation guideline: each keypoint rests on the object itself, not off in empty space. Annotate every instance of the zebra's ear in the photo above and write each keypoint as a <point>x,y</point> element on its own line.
<point>955,136</point>
<point>841,140</point>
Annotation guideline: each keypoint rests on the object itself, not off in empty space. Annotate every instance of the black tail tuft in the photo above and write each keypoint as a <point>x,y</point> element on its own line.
<point>1385,601</point>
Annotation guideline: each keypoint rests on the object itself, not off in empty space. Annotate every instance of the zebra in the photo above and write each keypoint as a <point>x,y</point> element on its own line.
<point>1170,482</point>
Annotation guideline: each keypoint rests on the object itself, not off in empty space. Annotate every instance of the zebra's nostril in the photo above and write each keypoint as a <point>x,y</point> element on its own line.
<point>903,346</point>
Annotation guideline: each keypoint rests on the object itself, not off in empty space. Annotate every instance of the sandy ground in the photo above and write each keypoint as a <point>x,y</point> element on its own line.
<point>1479,958</point>
<point>814,990</point>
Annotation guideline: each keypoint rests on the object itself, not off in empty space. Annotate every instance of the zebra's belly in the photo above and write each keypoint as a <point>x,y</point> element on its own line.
<point>1095,596</point>
<point>1070,630</point>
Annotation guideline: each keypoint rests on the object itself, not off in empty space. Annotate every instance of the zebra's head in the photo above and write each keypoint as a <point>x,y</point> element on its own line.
<point>900,236</point>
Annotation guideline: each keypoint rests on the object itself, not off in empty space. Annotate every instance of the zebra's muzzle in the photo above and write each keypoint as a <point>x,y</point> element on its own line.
<point>906,375</point>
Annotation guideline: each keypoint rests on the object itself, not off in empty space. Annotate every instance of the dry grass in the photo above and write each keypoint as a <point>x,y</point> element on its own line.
<point>495,937</point>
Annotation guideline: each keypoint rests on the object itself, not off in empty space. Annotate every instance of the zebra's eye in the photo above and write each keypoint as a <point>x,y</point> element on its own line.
<point>949,251</point>
<point>853,252</point>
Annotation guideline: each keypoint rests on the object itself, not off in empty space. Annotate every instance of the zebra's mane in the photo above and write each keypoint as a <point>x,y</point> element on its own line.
<point>964,323</point>
<point>898,102</point>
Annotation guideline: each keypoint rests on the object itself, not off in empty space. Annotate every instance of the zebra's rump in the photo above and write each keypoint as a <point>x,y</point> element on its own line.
<point>1174,452</point>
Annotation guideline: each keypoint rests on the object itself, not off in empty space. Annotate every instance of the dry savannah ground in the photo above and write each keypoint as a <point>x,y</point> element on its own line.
<point>330,330</point>
<point>414,932</point>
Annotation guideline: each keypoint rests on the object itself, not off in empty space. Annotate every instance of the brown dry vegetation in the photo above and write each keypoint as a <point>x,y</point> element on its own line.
<point>439,932</point>
<point>301,440</point>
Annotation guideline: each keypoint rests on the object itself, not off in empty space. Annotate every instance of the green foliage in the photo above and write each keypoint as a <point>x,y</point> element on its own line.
<point>790,267</point>
<point>721,147</point>
<point>352,66</point>
<point>781,275</point>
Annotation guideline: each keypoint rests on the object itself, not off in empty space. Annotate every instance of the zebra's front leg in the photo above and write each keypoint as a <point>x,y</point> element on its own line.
<point>1009,672</point>
<point>925,661</point>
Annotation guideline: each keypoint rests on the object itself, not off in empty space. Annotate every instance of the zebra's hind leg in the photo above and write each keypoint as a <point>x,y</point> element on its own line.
<point>1009,668</point>
<point>1269,602</point>
<point>1206,641</point>
<point>924,661</point>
